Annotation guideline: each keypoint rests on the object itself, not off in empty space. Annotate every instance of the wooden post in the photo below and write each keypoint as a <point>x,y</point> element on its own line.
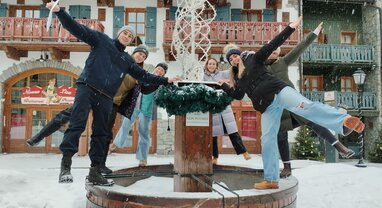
<point>193,152</point>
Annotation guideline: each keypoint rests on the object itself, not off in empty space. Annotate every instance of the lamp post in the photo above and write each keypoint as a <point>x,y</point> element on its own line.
<point>359,79</point>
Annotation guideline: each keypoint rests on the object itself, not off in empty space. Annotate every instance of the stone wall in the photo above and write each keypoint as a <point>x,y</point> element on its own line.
<point>372,36</point>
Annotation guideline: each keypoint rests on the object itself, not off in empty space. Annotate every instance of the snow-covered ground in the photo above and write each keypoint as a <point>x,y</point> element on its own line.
<point>31,180</point>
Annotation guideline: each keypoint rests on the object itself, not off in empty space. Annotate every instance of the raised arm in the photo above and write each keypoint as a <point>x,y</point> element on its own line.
<point>293,55</point>
<point>267,49</point>
<point>80,31</point>
<point>236,93</point>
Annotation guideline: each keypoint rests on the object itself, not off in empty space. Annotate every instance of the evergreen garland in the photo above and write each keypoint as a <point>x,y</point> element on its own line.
<point>306,146</point>
<point>191,98</point>
<point>375,153</point>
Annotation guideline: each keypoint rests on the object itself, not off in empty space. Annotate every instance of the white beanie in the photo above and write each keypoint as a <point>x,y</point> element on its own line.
<point>126,28</point>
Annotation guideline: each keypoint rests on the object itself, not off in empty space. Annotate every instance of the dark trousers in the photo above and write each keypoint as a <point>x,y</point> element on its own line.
<point>282,137</point>
<point>236,141</point>
<point>110,126</point>
<point>88,99</point>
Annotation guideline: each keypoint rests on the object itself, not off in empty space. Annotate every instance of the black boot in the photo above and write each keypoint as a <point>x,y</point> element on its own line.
<point>344,151</point>
<point>105,170</point>
<point>51,127</point>
<point>96,178</point>
<point>287,171</point>
<point>65,175</point>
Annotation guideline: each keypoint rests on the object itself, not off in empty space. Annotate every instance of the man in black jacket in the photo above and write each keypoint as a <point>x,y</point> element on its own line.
<point>105,68</point>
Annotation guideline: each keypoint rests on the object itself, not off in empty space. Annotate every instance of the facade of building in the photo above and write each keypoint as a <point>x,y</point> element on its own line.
<point>32,56</point>
<point>351,40</point>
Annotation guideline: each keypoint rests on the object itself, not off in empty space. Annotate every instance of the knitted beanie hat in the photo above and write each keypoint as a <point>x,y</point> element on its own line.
<point>163,65</point>
<point>142,48</point>
<point>126,28</point>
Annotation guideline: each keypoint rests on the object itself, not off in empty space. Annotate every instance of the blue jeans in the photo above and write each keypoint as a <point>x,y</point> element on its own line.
<point>290,99</point>
<point>124,130</point>
<point>143,131</point>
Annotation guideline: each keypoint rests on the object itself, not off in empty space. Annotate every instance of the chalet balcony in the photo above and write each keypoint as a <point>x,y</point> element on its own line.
<point>347,100</point>
<point>249,35</point>
<point>20,35</point>
<point>360,55</point>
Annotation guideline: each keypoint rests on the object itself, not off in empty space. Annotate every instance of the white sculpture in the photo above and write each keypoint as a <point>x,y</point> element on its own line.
<point>191,35</point>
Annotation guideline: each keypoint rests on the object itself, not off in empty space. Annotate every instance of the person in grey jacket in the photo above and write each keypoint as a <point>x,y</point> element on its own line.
<point>104,70</point>
<point>223,122</point>
<point>278,66</point>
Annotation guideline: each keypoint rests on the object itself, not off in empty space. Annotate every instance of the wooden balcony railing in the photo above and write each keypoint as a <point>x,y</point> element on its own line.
<point>34,29</point>
<point>335,53</point>
<point>244,33</point>
<point>348,100</point>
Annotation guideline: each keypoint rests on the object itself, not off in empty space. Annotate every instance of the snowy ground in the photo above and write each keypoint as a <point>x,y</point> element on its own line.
<point>30,180</point>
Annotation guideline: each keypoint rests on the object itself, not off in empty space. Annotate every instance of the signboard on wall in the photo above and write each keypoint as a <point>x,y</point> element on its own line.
<point>48,96</point>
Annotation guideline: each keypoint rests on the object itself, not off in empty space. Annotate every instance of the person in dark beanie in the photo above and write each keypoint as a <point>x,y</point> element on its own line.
<point>278,66</point>
<point>104,70</point>
<point>270,96</point>
<point>145,111</point>
<point>143,49</point>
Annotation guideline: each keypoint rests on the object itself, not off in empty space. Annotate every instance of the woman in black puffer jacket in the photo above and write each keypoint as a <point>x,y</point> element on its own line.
<point>270,96</point>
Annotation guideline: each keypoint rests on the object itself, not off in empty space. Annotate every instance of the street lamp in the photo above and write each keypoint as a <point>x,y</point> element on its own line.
<point>359,79</point>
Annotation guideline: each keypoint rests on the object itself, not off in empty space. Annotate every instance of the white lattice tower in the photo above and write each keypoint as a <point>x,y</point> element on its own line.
<point>191,34</point>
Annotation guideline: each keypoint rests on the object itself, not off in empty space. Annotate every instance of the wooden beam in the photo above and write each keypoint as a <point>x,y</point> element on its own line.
<point>57,54</point>
<point>15,54</point>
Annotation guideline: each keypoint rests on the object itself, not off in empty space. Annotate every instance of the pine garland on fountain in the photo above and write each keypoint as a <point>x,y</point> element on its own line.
<point>191,98</point>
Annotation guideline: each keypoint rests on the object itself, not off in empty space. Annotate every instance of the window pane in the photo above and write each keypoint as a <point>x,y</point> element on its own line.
<point>38,122</point>
<point>141,29</point>
<point>141,17</point>
<point>314,83</point>
<point>19,13</point>
<point>36,14</point>
<point>132,17</point>
<point>28,13</point>
<point>21,83</point>
<point>16,96</point>
<point>18,123</point>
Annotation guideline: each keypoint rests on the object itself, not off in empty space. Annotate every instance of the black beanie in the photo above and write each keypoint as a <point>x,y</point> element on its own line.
<point>163,65</point>
<point>230,52</point>
<point>143,49</point>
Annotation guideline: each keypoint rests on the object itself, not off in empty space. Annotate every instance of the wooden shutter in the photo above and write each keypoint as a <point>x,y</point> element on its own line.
<point>151,26</point>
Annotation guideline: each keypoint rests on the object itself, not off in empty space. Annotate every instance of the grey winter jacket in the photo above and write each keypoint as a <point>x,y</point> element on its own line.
<point>226,117</point>
<point>279,68</point>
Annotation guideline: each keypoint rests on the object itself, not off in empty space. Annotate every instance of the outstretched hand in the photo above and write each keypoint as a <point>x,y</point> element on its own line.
<point>319,27</point>
<point>173,79</point>
<point>51,4</point>
<point>296,23</point>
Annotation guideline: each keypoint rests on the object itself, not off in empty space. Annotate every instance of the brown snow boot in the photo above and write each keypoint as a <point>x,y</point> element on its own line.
<point>287,171</point>
<point>343,151</point>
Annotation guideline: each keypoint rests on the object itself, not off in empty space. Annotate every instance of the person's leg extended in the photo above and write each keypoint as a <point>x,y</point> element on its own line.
<point>78,120</point>
<point>238,145</point>
<point>102,109</point>
<point>316,112</point>
<point>282,140</point>
<point>270,124</point>
<point>144,139</point>
<point>125,128</point>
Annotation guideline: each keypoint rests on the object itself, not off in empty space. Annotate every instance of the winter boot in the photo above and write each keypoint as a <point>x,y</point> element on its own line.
<point>96,178</point>
<point>246,156</point>
<point>287,171</point>
<point>354,124</point>
<point>267,185</point>
<point>51,127</point>
<point>105,170</point>
<point>214,160</point>
<point>344,151</point>
<point>142,163</point>
<point>65,175</point>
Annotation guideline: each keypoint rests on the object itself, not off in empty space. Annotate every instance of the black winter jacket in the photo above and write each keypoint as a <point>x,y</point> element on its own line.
<point>107,63</point>
<point>260,85</point>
